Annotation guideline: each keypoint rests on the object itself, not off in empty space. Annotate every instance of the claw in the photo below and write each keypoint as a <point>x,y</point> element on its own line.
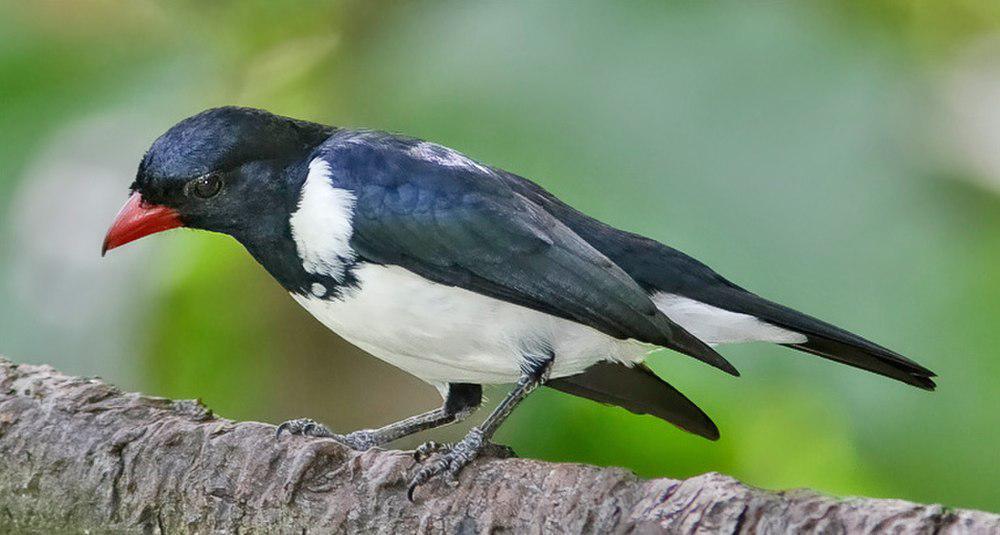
<point>281,429</point>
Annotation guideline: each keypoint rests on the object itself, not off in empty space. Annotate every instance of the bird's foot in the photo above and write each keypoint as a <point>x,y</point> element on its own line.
<point>358,440</point>
<point>449,459</point>
<point>489,449</point>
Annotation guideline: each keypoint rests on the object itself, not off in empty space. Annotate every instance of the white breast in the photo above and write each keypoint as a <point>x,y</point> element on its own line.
<point>446,334</point>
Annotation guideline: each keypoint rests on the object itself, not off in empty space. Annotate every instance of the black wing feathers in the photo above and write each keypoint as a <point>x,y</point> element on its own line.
<point>638,390</point>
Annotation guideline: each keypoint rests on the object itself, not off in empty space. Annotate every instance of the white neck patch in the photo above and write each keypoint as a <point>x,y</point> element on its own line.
<point>322,224</point>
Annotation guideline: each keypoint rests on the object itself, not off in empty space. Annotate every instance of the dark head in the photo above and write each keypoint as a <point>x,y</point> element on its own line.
<point>225,170</point>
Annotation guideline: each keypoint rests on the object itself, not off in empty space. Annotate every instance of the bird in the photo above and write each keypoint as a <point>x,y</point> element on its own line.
<point>461,274</point>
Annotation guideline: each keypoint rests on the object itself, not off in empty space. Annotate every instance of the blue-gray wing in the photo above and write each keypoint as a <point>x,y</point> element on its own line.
<point>433,212</point>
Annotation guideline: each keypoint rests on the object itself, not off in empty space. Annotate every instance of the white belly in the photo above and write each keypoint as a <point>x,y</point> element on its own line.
<point>446,334</point>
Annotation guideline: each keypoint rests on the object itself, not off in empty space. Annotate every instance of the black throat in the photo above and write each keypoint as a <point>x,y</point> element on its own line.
<point>280,258</point>
<point>272,245</point>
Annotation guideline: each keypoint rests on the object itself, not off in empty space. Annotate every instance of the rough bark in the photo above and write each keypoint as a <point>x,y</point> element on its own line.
<point>78,454</point>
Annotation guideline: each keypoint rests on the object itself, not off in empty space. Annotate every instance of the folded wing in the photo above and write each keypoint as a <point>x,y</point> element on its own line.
<point>456,223</point>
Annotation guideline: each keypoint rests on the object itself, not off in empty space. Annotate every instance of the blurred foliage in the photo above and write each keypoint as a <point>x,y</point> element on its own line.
<point>792,146</point>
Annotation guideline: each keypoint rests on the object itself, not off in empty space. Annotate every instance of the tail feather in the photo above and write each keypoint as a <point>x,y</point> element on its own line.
<point>637,389</point>
<point>854,356</point>
<point>659,268</point>
<point>829,341</point>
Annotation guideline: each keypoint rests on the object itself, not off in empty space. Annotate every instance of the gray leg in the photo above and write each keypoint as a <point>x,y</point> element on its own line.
<point>461,401</point>
<point>451,462</point>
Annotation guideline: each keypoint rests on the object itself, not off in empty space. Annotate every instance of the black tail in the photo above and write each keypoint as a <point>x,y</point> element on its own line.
<point>639,390</point>
<point>827,340</point>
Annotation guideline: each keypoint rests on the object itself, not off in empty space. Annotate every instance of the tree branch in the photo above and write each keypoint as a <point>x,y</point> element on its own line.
<point>79,454</point>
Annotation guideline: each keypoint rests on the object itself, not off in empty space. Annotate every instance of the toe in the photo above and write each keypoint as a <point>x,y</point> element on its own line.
<point>304,427</point>
<point>423,476</point>
<point>450,462</point>
<point>427,449</point>
<point>435,468</point>
<point>293,427</point>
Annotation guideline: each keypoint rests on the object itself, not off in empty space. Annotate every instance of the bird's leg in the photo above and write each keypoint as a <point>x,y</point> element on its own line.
<point>535,371</point>
<point>461,401</point>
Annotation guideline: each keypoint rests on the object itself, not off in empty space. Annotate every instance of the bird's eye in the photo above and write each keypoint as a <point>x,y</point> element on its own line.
<point>205,186</point>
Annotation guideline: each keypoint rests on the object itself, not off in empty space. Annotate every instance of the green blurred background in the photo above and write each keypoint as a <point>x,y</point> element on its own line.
<point>842,158</point>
